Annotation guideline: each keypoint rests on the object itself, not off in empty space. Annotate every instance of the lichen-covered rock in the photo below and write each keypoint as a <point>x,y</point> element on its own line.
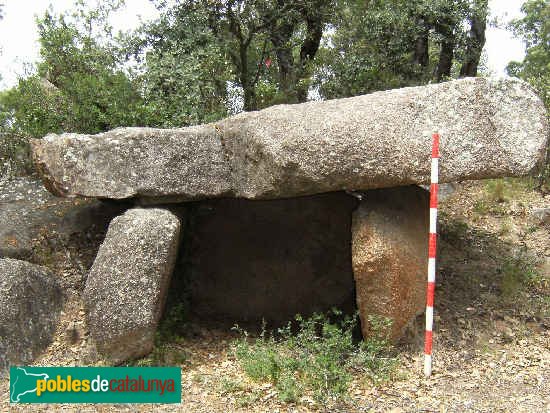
<point>30,302</point>
<point>126,289</point>
<point>390,255</point>
<point>489,128</point>
<point>28,213</point>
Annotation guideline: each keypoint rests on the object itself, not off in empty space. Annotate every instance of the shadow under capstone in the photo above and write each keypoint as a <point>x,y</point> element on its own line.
<point>241,261</point>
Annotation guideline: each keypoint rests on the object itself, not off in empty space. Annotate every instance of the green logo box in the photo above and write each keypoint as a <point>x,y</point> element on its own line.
<point>95,384</point>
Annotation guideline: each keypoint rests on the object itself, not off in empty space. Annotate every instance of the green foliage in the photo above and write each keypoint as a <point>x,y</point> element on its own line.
<point>79,85</point>
<point>518,273</point>
<point>210,44</point>
<point>181,68</point>
<point>378,45</point>
<point>364,54</point>
<point>172,324</point>
<point>320,357</point>
<point>534,29</point>
<point>14,156</point>
<point>499,192</point>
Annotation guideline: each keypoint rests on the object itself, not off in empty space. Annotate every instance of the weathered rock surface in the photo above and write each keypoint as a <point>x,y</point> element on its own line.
<point>541,216</point>
<point>126,288</point>
<point>28,211</point>
<point>489,128</point>
<point>389,255</point>
<point>248,261</point>
<point>30,302</point>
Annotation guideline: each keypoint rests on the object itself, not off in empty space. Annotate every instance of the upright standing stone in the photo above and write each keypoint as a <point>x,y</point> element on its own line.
<point>126,289</point>
<point>389,255</point>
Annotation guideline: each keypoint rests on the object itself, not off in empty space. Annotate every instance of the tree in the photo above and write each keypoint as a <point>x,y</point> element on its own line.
<point>383,44</point>
<point>241,36</point>
<point>534,29</point>
<point>79,85</point>
<point>476,38</point>
<point>182,70</point>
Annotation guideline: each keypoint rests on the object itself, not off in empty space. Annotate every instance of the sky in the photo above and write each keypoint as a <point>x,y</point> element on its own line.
<point>19,36</point>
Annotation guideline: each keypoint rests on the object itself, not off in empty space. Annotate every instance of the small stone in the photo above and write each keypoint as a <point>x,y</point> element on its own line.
<point>540,216</point>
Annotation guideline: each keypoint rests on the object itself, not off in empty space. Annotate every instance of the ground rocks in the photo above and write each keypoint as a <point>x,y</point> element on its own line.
<point>126,288</point>
<point>541,216</point>
<point>389,255</point>
<point>30,301</point>
<point>489,128</point>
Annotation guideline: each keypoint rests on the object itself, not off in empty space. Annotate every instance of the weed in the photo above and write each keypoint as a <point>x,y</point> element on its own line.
<point>249,398</point>
<point>288,387</point>
<point>481,207</point>
<point>228,386</point>
<point>319,358</point>
<point>518,273</point>
<point>505,228</point>
<point>172,324</point>
<point>495,190</point>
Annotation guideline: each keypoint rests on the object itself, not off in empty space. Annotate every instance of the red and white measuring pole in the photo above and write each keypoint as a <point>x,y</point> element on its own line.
<point>432,247</point>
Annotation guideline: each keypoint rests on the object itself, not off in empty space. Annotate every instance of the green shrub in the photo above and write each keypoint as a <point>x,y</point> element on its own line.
<point>15,157</point>
<point>320,357</point>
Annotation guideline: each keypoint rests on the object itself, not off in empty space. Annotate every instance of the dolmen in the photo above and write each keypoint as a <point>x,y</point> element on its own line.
<point>291,209</point>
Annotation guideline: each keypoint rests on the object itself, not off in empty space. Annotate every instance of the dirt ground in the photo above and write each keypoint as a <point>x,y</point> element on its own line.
<point>491,338</point>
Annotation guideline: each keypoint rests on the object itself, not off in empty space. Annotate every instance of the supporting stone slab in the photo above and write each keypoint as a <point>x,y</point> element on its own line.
<point>126,289</point>
<point>389,255</point>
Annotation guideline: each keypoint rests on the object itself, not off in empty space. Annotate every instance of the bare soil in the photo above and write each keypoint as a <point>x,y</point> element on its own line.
<point>491,339</point>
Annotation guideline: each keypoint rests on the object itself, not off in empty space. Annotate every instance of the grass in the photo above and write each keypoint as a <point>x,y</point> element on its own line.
<point>505,228</point>
<point>227,386</point>
<point>518,273</point>
<point>320,358</point>
<point>499,192</point>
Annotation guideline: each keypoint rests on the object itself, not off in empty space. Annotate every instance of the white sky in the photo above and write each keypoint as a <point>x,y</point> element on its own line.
<point>19,44</point>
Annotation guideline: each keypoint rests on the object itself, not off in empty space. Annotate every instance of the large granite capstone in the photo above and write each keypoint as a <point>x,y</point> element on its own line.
<point>489,128</point>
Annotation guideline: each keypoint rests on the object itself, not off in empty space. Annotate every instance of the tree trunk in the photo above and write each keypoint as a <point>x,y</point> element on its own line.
<point>446,29</point>
<point>476,39</point>
<point>421,56</point>
<point>445,60</point>
<point>249,88</point>
<point>280,38</point>
<point>309,49</point>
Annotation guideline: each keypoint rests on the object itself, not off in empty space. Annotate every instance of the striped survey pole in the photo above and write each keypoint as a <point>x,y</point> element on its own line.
<point>432,247</point>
